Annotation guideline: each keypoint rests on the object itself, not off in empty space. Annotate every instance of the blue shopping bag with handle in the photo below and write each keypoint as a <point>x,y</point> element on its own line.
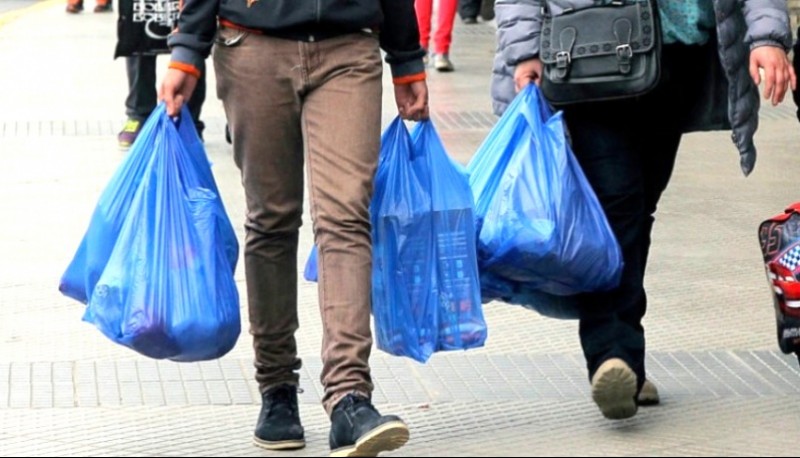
<point>404,298</point>
<point>461,322</point>
<point>542,235</point>
<point>425,283</point>
<point>165,287</point>
<point>95,248</point>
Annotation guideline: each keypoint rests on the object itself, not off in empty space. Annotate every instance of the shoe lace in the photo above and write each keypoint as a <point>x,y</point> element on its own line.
<point>131,126</point>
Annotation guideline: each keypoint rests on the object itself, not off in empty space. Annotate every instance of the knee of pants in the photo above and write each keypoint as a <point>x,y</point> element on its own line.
<point>272,224</point>
<point>353,231</point>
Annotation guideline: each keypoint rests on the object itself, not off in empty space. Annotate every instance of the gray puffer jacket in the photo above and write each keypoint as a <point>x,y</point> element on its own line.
<point>732,97</point>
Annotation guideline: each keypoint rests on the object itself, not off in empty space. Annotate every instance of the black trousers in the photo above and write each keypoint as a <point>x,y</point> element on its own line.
<point>627,150</point>
<point>469,8</point>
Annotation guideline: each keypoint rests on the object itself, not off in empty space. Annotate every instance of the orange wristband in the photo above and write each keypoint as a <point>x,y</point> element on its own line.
<point>186,68</point>
<point>408,79</point>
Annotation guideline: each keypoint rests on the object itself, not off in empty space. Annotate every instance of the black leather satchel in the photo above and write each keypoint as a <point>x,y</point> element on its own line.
<point>601,52</point>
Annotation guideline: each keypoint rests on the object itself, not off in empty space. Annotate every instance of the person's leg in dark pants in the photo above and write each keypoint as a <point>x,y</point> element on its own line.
<point>142,93</point>
<point>487,10</point>
<point>620,169</point>
<point>468,10</point>
<point>628,154</point>
<point>143,97</point>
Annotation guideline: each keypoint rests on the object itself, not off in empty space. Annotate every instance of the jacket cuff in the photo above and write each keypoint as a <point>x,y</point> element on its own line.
<point>408,79</point>
<point>767,42</point>
<point>521,51</point>
<point>186,68</point>
<point>408,69</point>
<point>184,59</point>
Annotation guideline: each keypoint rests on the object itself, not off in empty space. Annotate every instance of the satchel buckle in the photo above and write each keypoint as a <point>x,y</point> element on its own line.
<point>624,56</point>
<point>563,59</point>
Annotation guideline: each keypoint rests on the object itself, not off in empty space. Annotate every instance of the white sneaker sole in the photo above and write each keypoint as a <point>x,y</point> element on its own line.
<point>384,438</point>
<point>614,390</point>
<point>648,396</point>
<point>279,445</point>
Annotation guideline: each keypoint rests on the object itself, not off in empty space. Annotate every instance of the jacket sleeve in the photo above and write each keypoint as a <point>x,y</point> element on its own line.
<point>399,37</point>
<point>519,26</point>
<point>191,42</point>
<point>767,23</point>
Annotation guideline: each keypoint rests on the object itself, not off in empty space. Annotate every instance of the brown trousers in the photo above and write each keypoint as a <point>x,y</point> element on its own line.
<point>286,102</point>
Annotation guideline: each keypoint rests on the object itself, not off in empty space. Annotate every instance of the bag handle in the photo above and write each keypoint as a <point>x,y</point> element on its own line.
<point>537,109</point>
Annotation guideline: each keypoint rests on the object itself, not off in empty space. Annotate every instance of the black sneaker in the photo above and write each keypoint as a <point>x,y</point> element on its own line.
<point>278,425</point>
<point>487,10</point>
<point>103,6</point>
<point>74,6</point>
<point>357,429</point>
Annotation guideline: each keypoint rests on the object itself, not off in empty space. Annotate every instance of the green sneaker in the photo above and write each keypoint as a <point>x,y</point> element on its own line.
<point>129,133</point>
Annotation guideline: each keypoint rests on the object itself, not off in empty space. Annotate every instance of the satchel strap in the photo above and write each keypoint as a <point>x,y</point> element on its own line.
<point>564,57</point>
<point>623,30</point>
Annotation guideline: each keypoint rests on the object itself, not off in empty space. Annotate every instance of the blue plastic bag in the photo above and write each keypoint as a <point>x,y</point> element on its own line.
<point>542,231</point>
<point>404,297</point>
<point>81,275</point>
<point>95,248</point>
<point>425,283</point>
<point>166,288</point>
<point>461,322</point>
<point>310,272</point>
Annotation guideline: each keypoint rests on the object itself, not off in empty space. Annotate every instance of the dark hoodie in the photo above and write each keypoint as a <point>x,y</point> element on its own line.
<point>303,20</point>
